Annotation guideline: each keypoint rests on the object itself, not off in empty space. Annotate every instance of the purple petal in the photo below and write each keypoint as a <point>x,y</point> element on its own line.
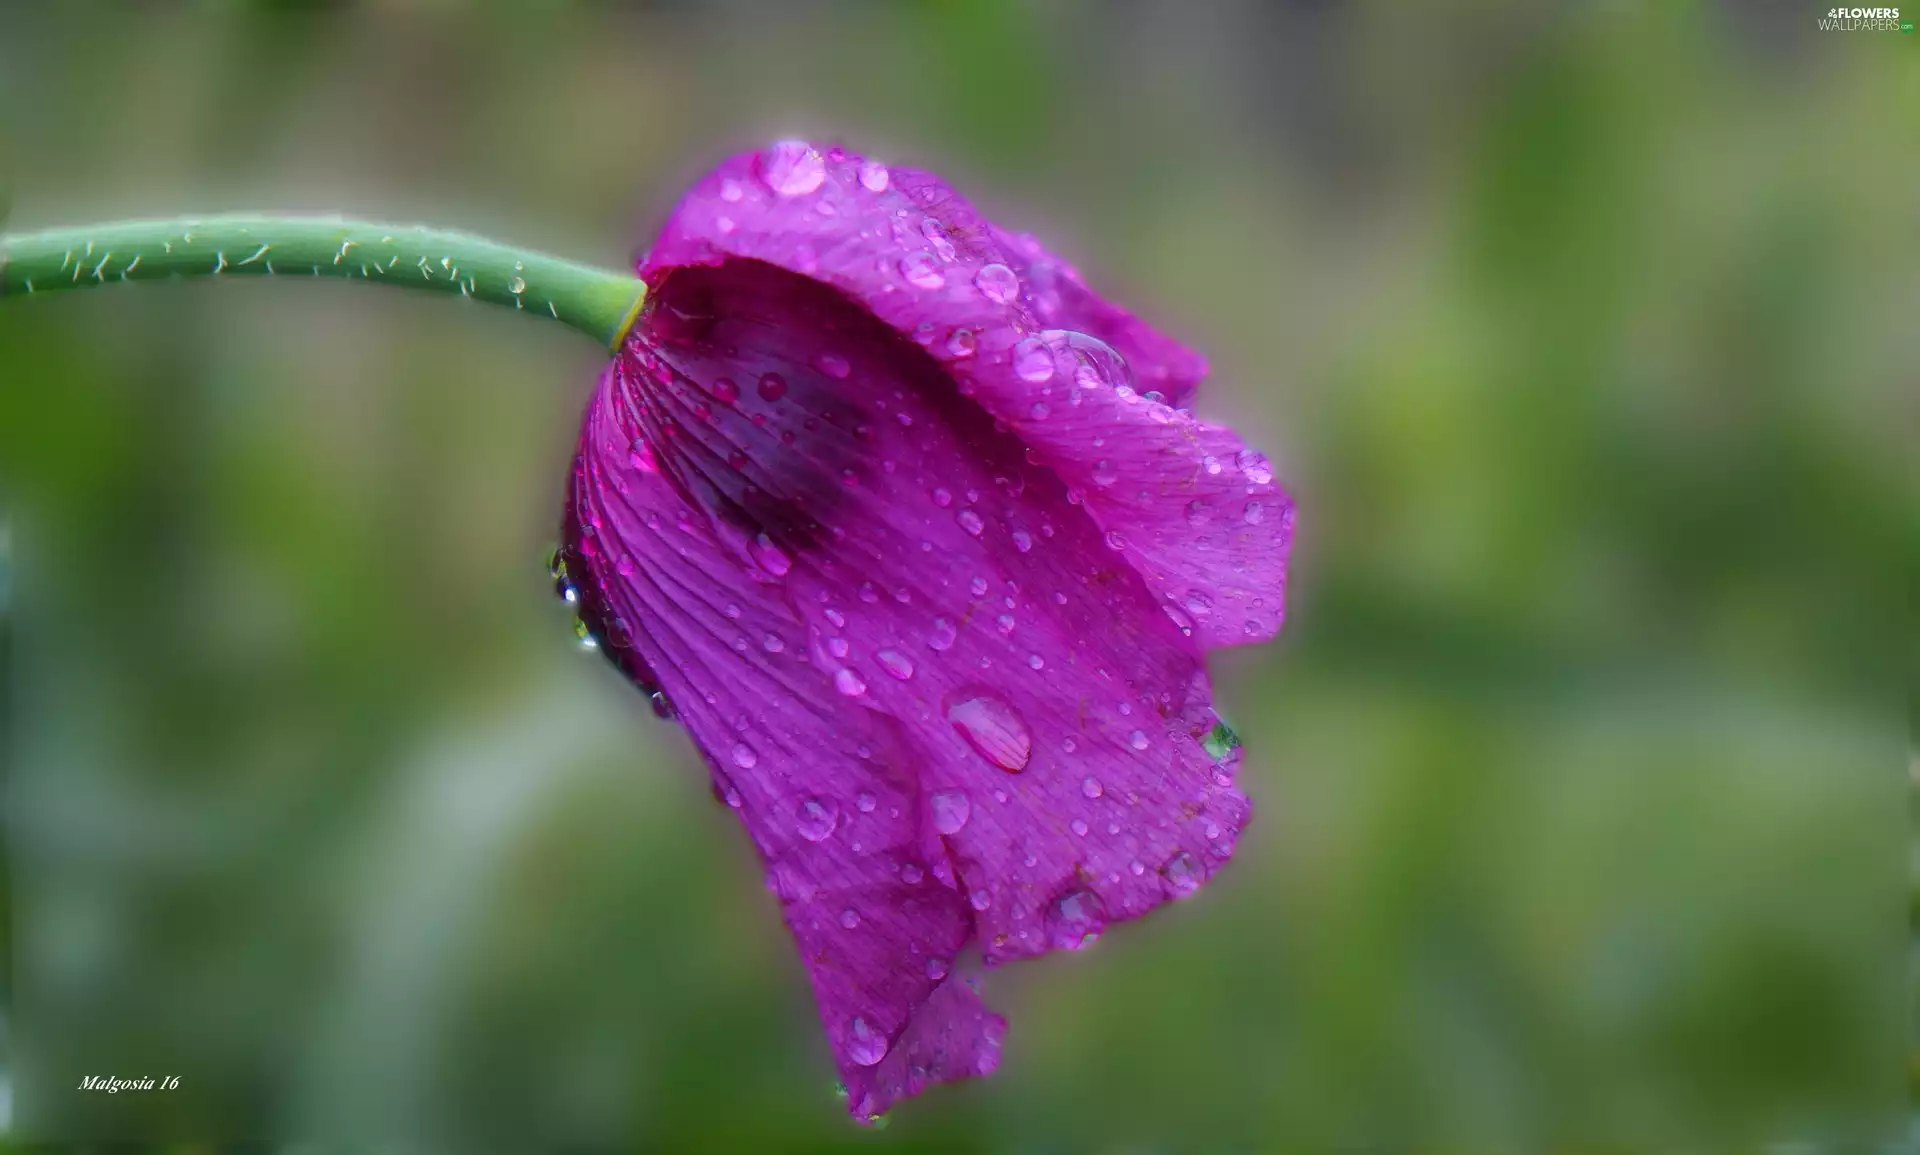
<point>1195,509</point>
<point>920,574</point>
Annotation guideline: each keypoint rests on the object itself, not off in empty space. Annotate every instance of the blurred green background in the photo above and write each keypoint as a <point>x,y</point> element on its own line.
<point>1579,331</point>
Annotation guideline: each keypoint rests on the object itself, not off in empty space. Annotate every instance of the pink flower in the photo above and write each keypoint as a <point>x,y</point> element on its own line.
<point>914,535</point>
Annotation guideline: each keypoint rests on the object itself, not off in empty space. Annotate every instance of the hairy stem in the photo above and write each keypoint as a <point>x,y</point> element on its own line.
<point>601,303</point>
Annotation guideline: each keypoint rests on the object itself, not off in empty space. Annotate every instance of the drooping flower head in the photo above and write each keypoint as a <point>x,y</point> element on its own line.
<point>917,537</point>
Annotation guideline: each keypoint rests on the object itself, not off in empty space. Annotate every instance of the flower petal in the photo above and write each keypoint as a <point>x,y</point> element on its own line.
<point>1196,510</point>
<point>827,793</point>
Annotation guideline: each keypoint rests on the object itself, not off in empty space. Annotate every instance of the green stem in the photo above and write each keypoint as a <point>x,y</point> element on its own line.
<point>601,303</point>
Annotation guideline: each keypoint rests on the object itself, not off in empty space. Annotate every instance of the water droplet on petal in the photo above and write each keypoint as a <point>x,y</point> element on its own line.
<point>1091,787</point>
<point>792,168</point>
<point>992,727</point>
<point>817,818</point>
<point>1198,514</point>
<point>730,190</point>
<point>1036,661</point>
<point>1137,740</point>
<point>1022,540</point>
<point>725,391</point>
<point>1199,604</point>
<point>970,521</point>
<point>1115,540</point>
<point>833,365</point>
<point>772,643</point>
<point>772,387</point>
<point>1255,465</point>
<point>1182,874</point>
<point>896,663</point>
<point>943,635</point>
<point>997,283</point>
<point>770,556</point>
<point>1255,513</point>
<point>922,269</point>
<point>1033,361</point>
<point>744,757</point>
<point>951,809</point>
<point>1074,920</point>
<point>849,918</point>
<point>962,343</point>
<point>936,969</point>
<point>837,646</point>
<point>942,497</point>
<point>874,176</point>
<point>1104,475</point>
<point>1039,411</point>
<point>911,874</point>
<point>1079,826</point>
<point>848,683</point>
<point>865,1046</point>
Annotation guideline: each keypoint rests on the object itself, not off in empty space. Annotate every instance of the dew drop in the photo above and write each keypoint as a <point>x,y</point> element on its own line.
<point>1137,740</point>
<point>848,683</point>
<point>1033,361</point>
<point>769,556</point>
<point>1255,513</point>
<point>1182,874</point>
<point>997,283</point>
<point>865,1046</point>
<point>837,646</point>
<point>942,497</point>
<point>911,874</point>
<point>936,969</point>
<point>979,587</point>
<point>951,809</point>
<point>1091,787</point>
<point>1104,475</point>
<point>1036,661</point>
<point>1115,541</point>
<point>921,269</point>
<point>772,643</point>
<point>725,391</point>
<point>849,918</point>
<point>962,343</point>
<point>1198,604</point>
<point>992,727</point>
<point>1079,826</point>
<point>1039,411</point>
<point>517,285</point>
<point>792,168</point>
<point>896,663</point>
<point>943,635</point>
<point>744,757</point>
<point>817,818</point>
<point>772,387</point>
<point>833,365</point>
<point>1198,514</point>
<point>1255,465</point>
<point>970,521</point>
<point>1074,920</point>
<point>874,176</point>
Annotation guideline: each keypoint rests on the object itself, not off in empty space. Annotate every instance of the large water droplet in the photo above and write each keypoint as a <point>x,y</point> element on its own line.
<point>1033,361</point>
<point>1182,874</point>
<point>874,176</point>
<point>1255,465</point>
<point>744,757</point>
<point>922,269</point>
<point>997,283</point>
<point>769,556</point>
<point>817,818</point>
<point>865,1046</point>
<point>962,343</point>
<point>792,168</point>
<point>993,727</point>
<point>951,809</point>
<point>516,285</point>
<point>772,387</point>
<point>970,521</point>
<point>848,683</point>
<point>1075,920</point>
<point>896,663</point>
<point>943,635</point>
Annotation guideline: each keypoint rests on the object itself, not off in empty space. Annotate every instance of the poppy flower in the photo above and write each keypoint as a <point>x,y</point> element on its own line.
<point>917,537</point>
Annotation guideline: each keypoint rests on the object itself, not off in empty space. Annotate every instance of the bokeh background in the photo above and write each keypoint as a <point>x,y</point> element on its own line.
<point>1584,333</point>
